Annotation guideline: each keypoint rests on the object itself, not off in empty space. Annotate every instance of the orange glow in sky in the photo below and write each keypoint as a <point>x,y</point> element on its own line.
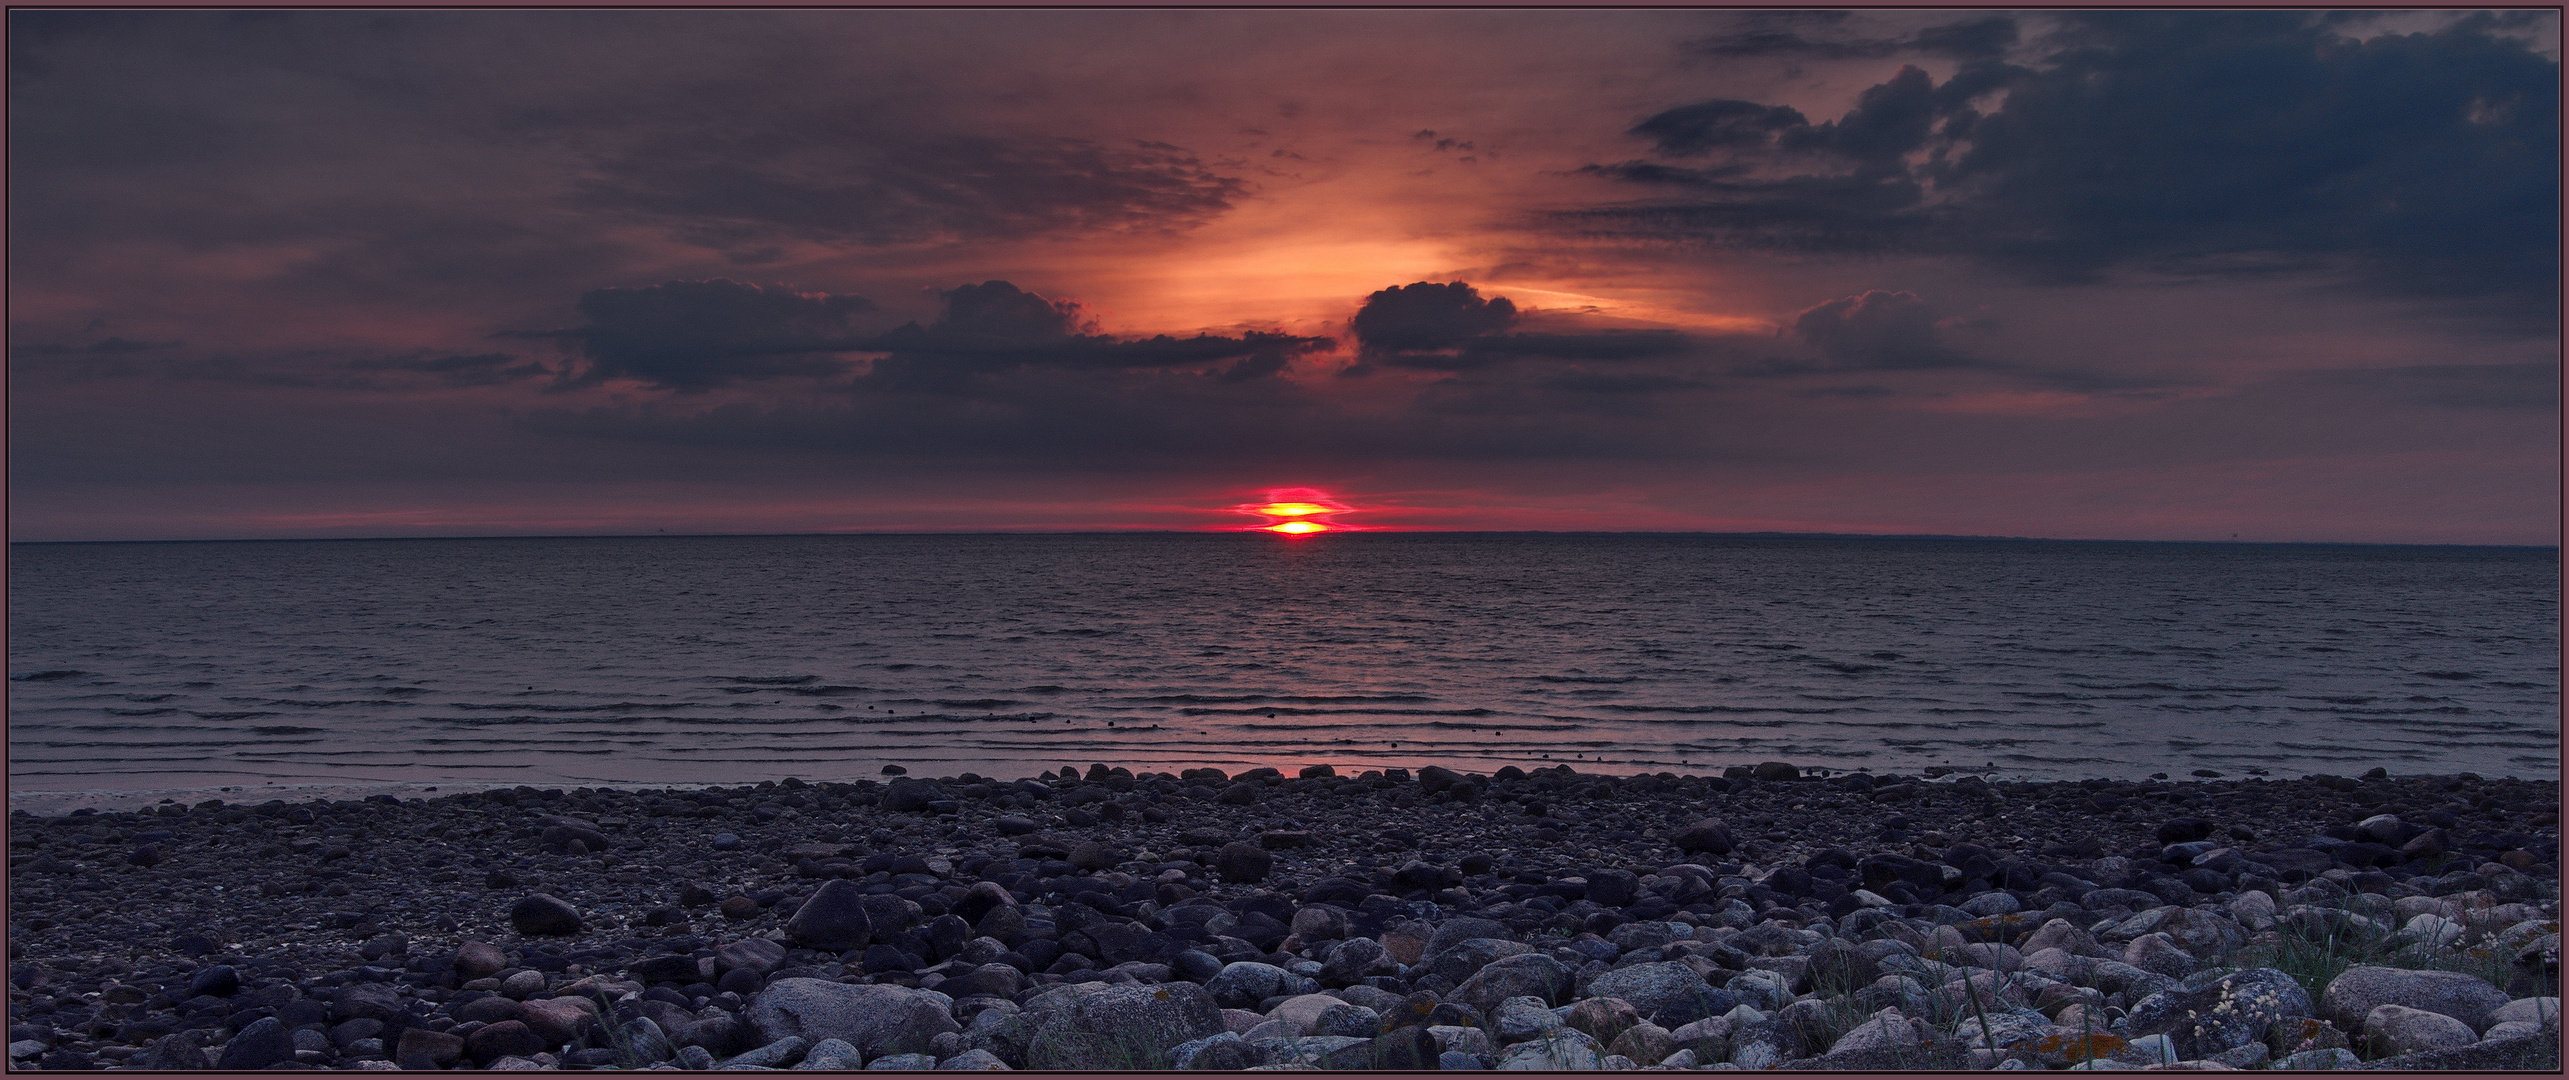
<point>1296,528</point>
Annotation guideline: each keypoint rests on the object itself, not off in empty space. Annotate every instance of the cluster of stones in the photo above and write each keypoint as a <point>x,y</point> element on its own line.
<point>1541,920</point>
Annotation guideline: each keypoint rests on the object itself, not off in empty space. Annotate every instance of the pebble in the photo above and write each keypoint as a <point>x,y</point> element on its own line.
<point>1582,911</point>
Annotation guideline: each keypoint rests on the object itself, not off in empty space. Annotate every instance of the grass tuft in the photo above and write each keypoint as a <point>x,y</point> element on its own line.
<point>2315,955</point>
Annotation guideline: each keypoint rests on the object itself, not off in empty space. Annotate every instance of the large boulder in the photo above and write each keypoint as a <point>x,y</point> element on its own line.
<point>909,797</point>
<point>877,1020</point>
<point>2536,1010</point>
<point>1465,958</point>
<point>1708,836</point>
<point>1614,888</point>
<point>1128,1027</point>
<point>179,1052</point>
<point>541,915</point>
<point>1244,984</point>
<point>1886,1031</point>
<point>1241,863</point>
<point>558,1020</point>
<point>1666,993</point>
<point>479,960</point>
<point>1223,1052</point>
<point>2357,992</point>
<point>1408,1049</point>
<point>1354,959</point>
<point>758,956</point>
<point>2060,934</point>
<point>1303,1010</point>
<point>2208,1014</point>
<point>261,1043</point>
<point>892,914</point>
<point>995,980</point>
<point>833,920</point>
<point>1464,928</point>
<point>1566,1050</point>
<point>508,1038</point>
<point>2398,1029</point>
<point>560,831</point>
<point>2198,931</point>
<point>367,1001</point>
<point>1524,975</point>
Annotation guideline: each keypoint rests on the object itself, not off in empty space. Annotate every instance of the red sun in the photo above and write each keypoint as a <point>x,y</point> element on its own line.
<point>1296,513</point>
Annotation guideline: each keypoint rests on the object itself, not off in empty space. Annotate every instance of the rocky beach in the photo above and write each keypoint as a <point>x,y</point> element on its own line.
<point>1540,919</point>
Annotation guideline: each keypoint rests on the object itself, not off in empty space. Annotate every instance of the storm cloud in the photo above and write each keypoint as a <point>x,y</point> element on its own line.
<point>994,327</point>
<point>1883,330</point>
<point>696,335</point>
<point>1451,327</point>
<point>2195,143</point>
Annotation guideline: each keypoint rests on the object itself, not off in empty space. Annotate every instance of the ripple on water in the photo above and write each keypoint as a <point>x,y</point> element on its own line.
<point>747,658</point>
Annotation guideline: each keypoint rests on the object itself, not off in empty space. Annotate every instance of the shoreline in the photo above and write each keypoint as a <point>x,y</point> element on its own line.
<point>41,802</point>
<point>327,912</point>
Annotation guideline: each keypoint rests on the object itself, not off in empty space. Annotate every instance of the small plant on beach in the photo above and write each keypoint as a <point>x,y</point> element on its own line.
<point>628,1051</point>
<point>1116,1051</point>
<point>1973,991</point>
<point>1843,1013</point>
<point>2316,950</point>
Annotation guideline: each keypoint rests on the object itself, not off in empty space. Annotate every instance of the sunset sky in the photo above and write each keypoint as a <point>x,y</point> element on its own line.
<point>2147,275</point>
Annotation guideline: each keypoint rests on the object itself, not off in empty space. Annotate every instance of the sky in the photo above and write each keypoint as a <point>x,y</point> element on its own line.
<point>2159,275</point>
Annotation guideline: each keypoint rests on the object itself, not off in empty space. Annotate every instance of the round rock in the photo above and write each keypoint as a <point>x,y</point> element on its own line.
<point>541,915</point>
<point>833,920</point>
<point>2355,994</point>
<point>876,1019</point>
<point>1241,863</point>
<point>1708,836</point>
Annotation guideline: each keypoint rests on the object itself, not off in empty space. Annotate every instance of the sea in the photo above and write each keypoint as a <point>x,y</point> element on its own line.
<point>294,669</point>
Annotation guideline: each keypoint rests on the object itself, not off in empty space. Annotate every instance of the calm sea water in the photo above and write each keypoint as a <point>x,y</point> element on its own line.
<point>269,666</point>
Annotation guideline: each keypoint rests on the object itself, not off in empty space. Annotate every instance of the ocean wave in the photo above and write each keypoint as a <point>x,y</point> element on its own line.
<point>616,706</point>
<point>1743,710</point>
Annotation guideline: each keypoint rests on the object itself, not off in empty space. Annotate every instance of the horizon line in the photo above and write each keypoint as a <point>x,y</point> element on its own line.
<point>1757,535</point>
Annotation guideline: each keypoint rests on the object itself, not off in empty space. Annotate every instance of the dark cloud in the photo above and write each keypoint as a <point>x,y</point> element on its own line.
<point>1427,315</point>
<point>1878,330</point>
<point>1450,327</point>
<point>1039,420</point>
<point>697,335</point>
<point>995,328</point>
<point>1000,312</point>
<point>692,336</point>
<point>1706,126</point>
<point>1973,39</point>
<point>2192,142</point>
